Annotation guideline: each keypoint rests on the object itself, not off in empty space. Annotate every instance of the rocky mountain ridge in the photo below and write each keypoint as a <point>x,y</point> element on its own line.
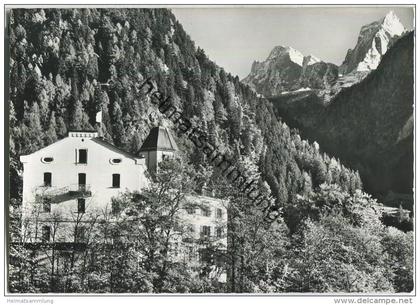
<point>373,42</point>
<point>287,70</point>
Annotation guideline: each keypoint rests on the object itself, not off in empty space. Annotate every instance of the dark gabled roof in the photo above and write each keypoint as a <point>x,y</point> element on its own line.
<point>159,138</point>
<point>110,146</point>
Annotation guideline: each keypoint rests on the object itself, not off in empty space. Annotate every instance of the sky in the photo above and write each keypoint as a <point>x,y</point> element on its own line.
<point>234,37</point>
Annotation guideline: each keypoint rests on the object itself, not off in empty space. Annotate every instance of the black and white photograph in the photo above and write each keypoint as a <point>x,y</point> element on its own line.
<point>209,150</point>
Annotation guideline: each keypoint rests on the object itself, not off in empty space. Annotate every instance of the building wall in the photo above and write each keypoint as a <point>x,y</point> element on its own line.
<point>152,158</point>
<point>199,218</point>
<point>65,170</point>
<point>189,247</point>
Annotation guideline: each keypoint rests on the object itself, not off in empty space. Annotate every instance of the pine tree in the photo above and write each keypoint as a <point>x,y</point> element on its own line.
<point>79,119</point>
<point>50,135</point>
<point>61,128</point>
<point>44,102</point>
<point>220,113</point>
<point>32,129</point>
<point>118,131</point>
<point>306,184</point>
<point>135,143</point>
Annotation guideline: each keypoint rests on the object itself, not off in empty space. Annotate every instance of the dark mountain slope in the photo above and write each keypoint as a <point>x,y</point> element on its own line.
<point>369,125</point>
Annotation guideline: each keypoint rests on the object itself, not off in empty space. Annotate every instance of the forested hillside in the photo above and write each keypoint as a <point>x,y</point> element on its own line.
<point>67,64</point>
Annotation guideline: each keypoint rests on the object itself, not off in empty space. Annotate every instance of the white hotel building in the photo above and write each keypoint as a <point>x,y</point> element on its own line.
<point>80,174</point>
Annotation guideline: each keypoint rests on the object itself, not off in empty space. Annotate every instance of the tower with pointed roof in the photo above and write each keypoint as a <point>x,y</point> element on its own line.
<point>158,145</point>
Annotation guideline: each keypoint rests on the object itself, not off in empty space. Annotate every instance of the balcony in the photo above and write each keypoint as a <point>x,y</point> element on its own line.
<point>60,194</point>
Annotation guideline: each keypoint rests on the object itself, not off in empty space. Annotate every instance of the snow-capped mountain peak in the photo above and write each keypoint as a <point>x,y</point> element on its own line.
<point>373,42</point>
<point>293,54</point>
<point>392,24</point>
<point>288,70</point>
<point>310,60</point>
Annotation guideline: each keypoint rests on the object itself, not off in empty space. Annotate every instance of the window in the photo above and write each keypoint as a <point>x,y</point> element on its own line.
<point>205,231</point>
<point>116,180</point>
<point>82,156</point>
<point>80,233</point>
<point>46,205</point>
<point>82,178</point>
<point>219,213</point>
<point>47,159</point>
<point>116,161</point>
<point>81,205</point>
<point>82,181</point>
<point>219,232</point>
<point>191,253</point>
<point>205,211</point>
<point>190,210</point>
<point>190,234</point>
<point>176,249</point>
<point>47,179</point>
<point>205,256</point>
<point>46,232</point>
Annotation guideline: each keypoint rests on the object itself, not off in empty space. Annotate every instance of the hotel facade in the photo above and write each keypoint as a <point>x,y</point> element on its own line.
<point>79,175</point>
